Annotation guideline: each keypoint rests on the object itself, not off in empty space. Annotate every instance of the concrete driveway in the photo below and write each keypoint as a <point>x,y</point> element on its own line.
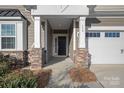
<point>110,76</point>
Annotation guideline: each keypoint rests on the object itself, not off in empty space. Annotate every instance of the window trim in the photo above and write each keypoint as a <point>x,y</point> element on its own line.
<point>11,49</point>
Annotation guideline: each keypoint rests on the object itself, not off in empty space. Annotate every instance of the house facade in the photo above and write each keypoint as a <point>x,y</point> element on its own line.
<point>88,34</point>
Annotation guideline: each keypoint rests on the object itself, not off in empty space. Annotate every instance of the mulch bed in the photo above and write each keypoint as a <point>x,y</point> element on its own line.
<point>82,75</point>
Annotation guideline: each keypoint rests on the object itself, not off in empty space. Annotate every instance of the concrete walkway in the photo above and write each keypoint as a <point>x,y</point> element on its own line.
<point>60,77</point>
<point>110,76</point>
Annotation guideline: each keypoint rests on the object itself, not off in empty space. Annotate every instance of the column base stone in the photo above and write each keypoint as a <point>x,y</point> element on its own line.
<point>82,58</point>
<point>35,58</point>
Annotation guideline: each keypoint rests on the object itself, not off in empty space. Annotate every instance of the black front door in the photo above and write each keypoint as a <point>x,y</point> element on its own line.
<point>61,45</point>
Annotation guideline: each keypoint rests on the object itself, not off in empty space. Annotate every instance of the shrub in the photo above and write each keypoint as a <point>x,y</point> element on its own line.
<point>5,65</point>
<point>4,68</point>
<point>82,75</point>
<point>18,80</point>
<point>4,58</point>
<point>43,78</point>
<point>12,62</point>
<point>22,78</point>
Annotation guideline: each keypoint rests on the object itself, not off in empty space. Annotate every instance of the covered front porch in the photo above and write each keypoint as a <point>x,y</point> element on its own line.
<point>59,35</point>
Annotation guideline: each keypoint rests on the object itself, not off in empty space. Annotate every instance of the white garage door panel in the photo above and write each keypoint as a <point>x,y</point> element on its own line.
<point>105,50</point>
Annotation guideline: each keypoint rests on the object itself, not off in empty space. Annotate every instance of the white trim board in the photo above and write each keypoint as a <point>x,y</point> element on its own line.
<point>106,28</point>
<point>74,34</point>
<point>10,17</point>
<point>37,30</point>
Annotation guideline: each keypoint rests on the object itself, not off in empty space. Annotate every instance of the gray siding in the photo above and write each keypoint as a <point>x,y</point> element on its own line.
<point>109,8</point>
<point>109,22</point>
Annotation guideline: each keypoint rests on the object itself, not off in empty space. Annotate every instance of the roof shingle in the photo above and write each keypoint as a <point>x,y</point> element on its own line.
<point>10,13</point>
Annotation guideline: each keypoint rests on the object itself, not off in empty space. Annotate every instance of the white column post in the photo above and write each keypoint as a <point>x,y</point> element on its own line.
<point>37,25</point>
<point>82,30</point>
<point>74,34</point>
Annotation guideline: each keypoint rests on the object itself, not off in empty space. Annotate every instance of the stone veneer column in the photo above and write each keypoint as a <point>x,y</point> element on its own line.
<point>82,58</point>
<point>35,56</point>
<point>82,53</point>
<point>36,52</point>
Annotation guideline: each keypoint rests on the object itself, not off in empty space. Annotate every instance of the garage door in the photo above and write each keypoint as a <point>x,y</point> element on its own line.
<point>106,47</point>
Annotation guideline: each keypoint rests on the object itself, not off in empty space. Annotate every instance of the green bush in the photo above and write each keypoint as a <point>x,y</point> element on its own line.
<point>4,68</point>
<point>18,80</point>
<point>4,58</point>
<point>11,78</point>
<point>4,65</point>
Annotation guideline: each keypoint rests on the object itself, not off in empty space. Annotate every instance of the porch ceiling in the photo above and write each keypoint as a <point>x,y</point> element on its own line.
<point>60,23</point>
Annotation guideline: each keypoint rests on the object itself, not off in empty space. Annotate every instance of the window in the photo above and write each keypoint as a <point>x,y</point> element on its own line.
<point>7,29</point>
<point>8,36</point>
<point>8,43</point>
<point>93,34</point>
<point>112,34</point>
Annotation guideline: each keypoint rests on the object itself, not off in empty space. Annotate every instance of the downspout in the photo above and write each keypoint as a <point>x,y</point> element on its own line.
<point>16,43</point>
<point>46,52</point>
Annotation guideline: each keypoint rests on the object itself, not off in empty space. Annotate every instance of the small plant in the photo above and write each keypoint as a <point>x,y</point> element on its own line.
<point>4,68</point>
<point>43,78</point>
<point>11,75</point>
<point>4,58</point>
<point>18,80</point>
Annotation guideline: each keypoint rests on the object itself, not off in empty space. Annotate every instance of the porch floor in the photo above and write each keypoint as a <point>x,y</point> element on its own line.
<point>60,77</point>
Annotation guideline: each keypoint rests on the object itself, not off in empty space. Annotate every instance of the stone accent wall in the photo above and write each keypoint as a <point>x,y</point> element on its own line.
<point>20,56</point>
<point>82,58</point>
<point>35,58</point>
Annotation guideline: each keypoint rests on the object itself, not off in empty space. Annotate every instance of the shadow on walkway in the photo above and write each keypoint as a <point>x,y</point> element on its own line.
<point>55,60</point>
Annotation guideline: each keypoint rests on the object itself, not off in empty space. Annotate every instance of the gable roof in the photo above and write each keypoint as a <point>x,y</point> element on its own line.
<point>10,13</point>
